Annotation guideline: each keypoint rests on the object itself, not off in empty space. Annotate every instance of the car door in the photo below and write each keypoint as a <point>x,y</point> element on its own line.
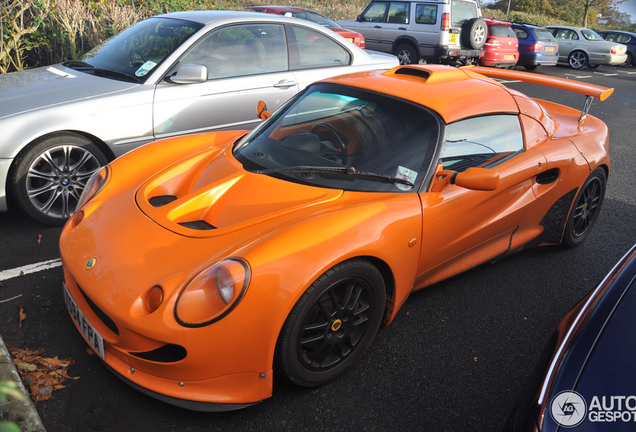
<point>426,28</point>
<point>568,39</point>
<point>397,21</point>
<point>463,228</point>
<point>370,25</point>
<point>313,55</point>
<point>245,63</point>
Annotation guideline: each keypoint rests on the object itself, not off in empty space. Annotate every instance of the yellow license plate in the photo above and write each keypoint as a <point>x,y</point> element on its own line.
<point>509,57</point>
<point>549,48</point>
<point>452,38</point>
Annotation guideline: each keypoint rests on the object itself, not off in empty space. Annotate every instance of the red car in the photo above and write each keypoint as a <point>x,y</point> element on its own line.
<point>315,17</point>
<point>501,47</point>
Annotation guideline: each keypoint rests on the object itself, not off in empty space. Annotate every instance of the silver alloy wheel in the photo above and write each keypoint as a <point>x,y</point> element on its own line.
<point>577,59</point>
<point>55,180</point>
<point>480,35</point>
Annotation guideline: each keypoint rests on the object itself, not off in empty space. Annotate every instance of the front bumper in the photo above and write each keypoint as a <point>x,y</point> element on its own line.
<point>172,381</point>
<point>446,52</point>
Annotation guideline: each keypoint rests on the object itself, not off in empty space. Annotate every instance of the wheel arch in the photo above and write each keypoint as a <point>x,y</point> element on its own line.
<point>406,39</point>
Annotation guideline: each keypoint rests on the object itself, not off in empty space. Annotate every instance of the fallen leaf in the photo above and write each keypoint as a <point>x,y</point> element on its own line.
<point>23,316</point>
<point>39,238</point>
<point>41,375</point>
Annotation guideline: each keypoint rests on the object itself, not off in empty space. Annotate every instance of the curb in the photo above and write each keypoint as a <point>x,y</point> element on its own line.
<point>21,412</point>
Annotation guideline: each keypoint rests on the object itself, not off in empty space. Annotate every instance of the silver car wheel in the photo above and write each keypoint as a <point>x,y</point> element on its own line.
<point>56,178</point>
<point>577,60</point>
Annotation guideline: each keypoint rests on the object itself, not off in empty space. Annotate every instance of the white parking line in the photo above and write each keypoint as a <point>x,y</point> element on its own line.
<point>579,76</point>
<point>31,268</point>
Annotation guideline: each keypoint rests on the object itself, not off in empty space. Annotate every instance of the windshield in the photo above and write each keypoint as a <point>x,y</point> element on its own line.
<point>313,17</point>
<point>138,49</point>
<point>344,138</point>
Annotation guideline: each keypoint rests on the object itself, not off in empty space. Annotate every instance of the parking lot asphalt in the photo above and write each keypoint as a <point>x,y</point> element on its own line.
<point>457,355</point>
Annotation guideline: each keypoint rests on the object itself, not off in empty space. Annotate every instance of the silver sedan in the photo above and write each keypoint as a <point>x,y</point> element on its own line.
<point>580,47</point>
<point>174,74</point>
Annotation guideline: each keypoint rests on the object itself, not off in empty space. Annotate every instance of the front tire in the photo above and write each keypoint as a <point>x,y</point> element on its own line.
<point>586,209</point>
<point>50,175</point>
<point>577,60</point>
<point>332,324</point>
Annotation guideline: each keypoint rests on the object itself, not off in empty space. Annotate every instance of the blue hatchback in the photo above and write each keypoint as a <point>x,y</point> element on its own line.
<point>537,46</point>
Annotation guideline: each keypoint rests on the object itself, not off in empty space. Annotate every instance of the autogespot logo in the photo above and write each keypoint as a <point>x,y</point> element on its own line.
<point>568,409</point>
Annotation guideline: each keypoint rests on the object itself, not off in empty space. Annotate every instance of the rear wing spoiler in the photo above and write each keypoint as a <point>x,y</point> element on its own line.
<point>589,90</point>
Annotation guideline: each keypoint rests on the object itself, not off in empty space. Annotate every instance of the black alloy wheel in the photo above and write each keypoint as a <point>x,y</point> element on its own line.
<point>586,209</point>
<point>332,324</point>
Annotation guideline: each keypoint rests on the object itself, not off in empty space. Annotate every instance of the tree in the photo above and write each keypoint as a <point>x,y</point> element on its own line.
<point>597,5</point>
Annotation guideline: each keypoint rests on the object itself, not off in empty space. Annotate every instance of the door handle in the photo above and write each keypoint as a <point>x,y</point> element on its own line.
<point>285,84</point>
<point>377,26</point>
<point>401,28</point>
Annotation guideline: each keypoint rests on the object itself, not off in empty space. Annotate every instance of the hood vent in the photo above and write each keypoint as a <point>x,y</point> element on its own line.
<point>161,200</point>
<point>199,225</point>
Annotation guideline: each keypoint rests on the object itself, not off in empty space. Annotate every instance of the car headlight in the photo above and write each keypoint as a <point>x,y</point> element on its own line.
<point>212,294</point>
<point>95,183</point>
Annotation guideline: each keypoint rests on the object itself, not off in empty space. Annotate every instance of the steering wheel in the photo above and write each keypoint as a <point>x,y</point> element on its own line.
<point>343,146</point>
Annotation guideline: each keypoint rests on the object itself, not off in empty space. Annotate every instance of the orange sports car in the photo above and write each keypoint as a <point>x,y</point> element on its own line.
<point>197,267</point>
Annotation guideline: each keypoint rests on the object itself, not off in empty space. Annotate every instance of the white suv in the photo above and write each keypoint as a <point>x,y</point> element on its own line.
<point>437,31</point>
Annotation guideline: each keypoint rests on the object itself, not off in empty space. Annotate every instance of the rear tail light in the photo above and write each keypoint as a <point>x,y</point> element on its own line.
<point>493,42</point>
<point>617,49</point>
<point>445,21</point>
<point>536,47</point>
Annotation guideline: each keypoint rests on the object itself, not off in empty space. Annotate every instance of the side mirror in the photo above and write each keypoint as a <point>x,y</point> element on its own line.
<point>190,74</point>
<point>478,179</point>
<point>481,179</point>
<point>261,111</point>
<point>360,18</point>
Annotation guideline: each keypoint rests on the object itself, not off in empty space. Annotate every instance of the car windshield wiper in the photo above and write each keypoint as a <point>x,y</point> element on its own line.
<point>87,67</point>
<point>78,64</point>
<point>341,170</point>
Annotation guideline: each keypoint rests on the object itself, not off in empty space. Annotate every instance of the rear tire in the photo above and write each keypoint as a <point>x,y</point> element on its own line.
<point>406,54</point>
<point>532,67</point>
<point>586,209</point>
<point>577,59</point>
<point>629,60</point>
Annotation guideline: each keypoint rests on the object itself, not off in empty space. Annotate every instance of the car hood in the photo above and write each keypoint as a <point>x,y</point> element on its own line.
<point>43,87</point>
<point>210,194</point>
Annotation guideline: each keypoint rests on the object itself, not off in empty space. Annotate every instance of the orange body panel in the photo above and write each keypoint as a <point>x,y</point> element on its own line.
<point>290,233</point>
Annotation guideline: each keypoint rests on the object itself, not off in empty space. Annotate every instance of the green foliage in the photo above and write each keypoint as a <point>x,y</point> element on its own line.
<point>51,34</point>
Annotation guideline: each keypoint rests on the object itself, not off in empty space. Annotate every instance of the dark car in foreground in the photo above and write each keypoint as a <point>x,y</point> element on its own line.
<point>537,46</point>
<point>626,38</point>
<point>585,380</point>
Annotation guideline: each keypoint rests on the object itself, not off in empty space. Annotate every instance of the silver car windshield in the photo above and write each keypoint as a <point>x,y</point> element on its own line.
<point>344,138</point>
<point>136,51</point>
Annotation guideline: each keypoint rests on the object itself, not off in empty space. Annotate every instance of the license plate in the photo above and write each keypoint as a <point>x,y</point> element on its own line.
<point>509,57</point>
<point>549,49</point>
<point>350,39</point>
<point>452,38</point>
<point>95,340</point>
